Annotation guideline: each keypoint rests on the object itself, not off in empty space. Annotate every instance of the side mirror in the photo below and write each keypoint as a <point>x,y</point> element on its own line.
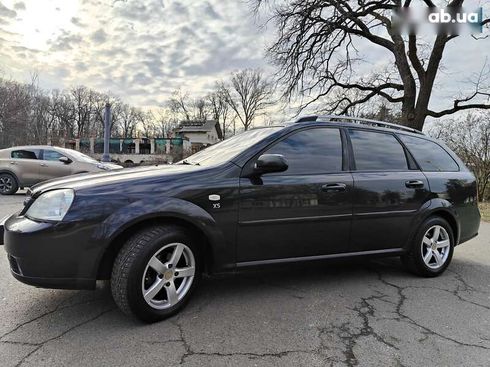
<point>268,163</point>
<point>65,160</point>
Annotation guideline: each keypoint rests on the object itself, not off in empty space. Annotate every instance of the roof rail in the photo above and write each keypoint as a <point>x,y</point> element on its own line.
<point>356,120</point>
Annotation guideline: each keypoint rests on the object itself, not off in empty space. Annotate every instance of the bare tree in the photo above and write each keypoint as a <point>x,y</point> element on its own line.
<point>127,121</point>
<point>316,53</point>
<point>248,95</point>
<point>15,104</point>
<point>470,139</point>
<point>83,106</point>
<point>220,109</point>
<point>117,106</point>
<point>146,122</point>
<point>30,115</point>
<point>164,122</point>
<point>64,115</point>
<point>179,104</point>
<point>200,109</point>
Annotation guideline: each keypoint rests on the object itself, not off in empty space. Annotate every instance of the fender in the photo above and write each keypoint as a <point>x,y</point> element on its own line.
<point>429,208</point>
<point>13,174</point>
<point>167,207</point>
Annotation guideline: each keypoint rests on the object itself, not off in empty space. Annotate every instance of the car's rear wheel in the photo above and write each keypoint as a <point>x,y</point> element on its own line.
<point>155,273</point>
<point>8,184</point>
<point>432,249</point>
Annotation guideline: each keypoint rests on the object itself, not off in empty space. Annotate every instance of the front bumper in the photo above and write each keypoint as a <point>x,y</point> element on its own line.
<point>52,283</point>
<point>2,224</point>
<point>51,255</point>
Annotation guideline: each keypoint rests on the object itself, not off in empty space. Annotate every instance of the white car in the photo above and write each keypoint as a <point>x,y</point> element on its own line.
<point>28,165</point>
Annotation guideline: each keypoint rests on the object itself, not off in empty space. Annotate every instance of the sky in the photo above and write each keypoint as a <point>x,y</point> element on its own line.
<point>142,50</point>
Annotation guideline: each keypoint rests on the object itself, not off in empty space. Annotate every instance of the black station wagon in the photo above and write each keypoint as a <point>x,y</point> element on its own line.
<point>319,188</point>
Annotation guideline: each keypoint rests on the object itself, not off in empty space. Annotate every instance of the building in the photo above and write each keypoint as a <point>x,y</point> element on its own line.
<point>200,134</point>
<point>131,151</point>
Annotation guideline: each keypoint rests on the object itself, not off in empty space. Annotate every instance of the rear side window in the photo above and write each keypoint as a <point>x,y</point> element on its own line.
<point>429,155</point>
<point>375,151</point>
<point>312,151</point>
<point>25,154</point>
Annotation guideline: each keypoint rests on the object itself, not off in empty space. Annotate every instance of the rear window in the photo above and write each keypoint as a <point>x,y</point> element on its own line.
<point>375,151</point>
<point>429,155</point>
<point>25,154</point>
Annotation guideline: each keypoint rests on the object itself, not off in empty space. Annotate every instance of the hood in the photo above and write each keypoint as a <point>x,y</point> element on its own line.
<point>108,166</point>
<point>80,181</point>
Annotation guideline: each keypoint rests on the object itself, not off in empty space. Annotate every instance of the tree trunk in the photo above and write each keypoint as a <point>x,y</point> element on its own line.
<point>427,83</point>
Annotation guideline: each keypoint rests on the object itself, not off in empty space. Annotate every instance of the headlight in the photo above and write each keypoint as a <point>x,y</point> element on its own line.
<point>102,166</point>
<point>52,205</point>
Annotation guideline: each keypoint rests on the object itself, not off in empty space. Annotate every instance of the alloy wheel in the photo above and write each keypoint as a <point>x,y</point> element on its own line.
<point>168,276</point>
<point>6,184</point>
<point>436,246</point>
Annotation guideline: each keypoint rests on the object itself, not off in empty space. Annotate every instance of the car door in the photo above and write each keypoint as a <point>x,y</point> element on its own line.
<point>24,163</point>
<point>51,167</point>
<point>304,211</point>
<point>389,191</point>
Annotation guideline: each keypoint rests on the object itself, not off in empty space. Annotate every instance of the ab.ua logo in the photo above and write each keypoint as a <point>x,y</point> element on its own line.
<point>450,20</point>
<point>461,17</point>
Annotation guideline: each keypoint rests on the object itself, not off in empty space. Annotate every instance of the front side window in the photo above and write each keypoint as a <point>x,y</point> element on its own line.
<point>25,154</point>
<point>429,155</point>
<point>375,151</point>
<point>312,151</point>
<point>51,155</point>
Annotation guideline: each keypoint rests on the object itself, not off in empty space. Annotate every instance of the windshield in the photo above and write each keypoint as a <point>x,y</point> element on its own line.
<point>80,157</point>
<point>229,148</point>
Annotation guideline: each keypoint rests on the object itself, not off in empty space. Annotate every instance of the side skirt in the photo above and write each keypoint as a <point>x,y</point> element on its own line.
<point>385,252</point>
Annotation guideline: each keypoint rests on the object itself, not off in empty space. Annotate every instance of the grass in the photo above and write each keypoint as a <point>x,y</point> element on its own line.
<point>485,211</point>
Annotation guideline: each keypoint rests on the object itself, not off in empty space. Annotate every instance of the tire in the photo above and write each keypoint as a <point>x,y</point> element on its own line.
<point>134,272</point>
<point>8,184</point>
<point>422,258</point>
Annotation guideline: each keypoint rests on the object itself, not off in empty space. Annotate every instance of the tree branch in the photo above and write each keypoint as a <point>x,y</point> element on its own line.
<point>450,111</point>
<point>414,59</point>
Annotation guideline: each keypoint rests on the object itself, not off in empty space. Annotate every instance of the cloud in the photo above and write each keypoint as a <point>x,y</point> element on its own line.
<point>99,36</point>
<point>210,12</point>
<point>77,21</point>
<point>66,41</point>
<point>81,66</point>
<point>20,6</point>
<point>143,49</point>
<point>6,12</point>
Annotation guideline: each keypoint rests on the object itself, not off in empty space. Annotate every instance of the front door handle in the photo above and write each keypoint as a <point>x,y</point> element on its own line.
<point>334,187</point>
<point>414,184</point>
<point>43,165</point>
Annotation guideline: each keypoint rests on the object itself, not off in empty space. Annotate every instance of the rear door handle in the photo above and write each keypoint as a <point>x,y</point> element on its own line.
<point>43,165</point>
<point>334,187</point>
<point>13,163</point>
<point>414,184</point>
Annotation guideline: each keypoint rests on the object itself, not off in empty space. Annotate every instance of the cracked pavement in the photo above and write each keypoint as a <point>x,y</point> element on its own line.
<point>349,313</point>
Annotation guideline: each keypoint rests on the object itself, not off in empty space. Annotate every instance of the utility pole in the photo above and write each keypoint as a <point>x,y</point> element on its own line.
<point>107,133</point>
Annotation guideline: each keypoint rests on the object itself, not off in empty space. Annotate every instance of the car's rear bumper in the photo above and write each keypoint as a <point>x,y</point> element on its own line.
<point>51,255</point>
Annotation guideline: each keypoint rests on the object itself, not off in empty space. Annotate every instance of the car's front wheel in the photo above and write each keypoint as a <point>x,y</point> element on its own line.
<point>432,249</point>
<point>155,273</point>
<point>8,184</point>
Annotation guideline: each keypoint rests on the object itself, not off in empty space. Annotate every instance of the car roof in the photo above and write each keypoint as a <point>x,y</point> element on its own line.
<point>33,147</point>
<point>357,126</point>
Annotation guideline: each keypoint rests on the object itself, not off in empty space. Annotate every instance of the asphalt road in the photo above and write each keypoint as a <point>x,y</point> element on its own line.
<point>342,314</point>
